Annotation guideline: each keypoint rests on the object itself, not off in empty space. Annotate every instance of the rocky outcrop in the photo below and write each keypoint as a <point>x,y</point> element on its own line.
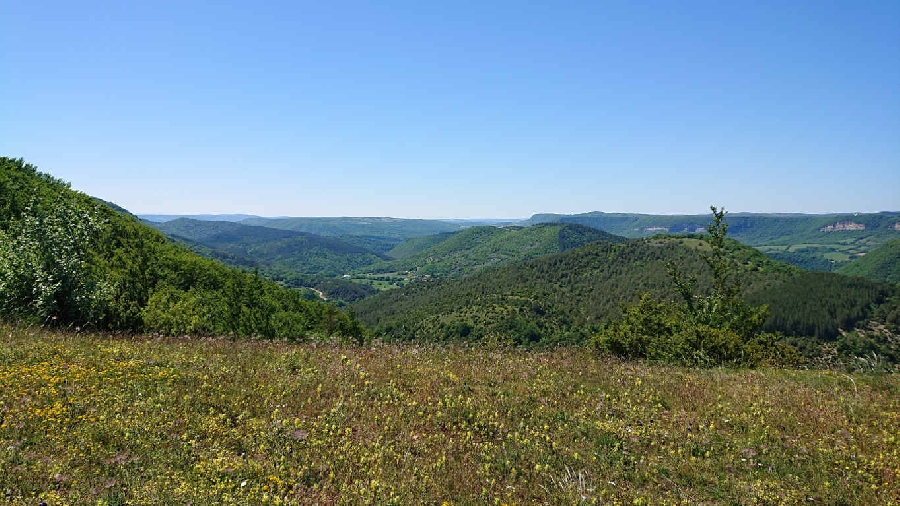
<point>897,226</point>
<point>843,226</point>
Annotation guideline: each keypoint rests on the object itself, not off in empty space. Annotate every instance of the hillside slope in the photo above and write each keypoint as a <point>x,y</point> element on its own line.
<point>415,245</point>
<point>815,242</point>
<point>66,259</point>
<point>284,250</point>
<point>567,296</point>
<point>478,248</point>
<point>880,264</point>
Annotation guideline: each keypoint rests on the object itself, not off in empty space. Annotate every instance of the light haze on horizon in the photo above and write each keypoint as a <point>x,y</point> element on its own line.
<point>463,110</point>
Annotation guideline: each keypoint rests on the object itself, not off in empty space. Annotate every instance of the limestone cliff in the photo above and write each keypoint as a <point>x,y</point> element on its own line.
<point>843,226</point>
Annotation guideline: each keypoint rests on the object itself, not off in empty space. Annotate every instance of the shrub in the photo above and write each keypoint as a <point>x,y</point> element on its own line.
<point>714,329</point>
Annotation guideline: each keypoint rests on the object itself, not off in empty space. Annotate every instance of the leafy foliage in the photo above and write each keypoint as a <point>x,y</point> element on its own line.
<point>66,259</point>
<point>43,263</point>
<point>713,329</point>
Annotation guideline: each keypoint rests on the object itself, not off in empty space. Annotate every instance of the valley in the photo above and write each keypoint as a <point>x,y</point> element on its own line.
<point>550,363</point>
<point>450,254</point>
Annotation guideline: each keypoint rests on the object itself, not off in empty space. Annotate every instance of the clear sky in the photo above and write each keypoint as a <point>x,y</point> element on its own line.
<point>458,109</point>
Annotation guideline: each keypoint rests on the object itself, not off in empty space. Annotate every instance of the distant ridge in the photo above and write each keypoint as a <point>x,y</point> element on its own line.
<point>381,226</point>
<point>821,242</point>
<point>275,249</point>
<point>162,218</point>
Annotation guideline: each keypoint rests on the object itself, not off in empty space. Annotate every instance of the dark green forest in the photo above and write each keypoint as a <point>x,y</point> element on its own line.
<point>569,297</point>
<point>69,260</point>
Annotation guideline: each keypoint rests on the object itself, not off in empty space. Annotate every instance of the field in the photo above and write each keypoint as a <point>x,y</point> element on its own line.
<point>382,281</point>
<point>88,419</point>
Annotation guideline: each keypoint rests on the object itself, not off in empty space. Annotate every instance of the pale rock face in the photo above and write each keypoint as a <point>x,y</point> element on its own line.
<point>842,226</point>
<point>897,226</point>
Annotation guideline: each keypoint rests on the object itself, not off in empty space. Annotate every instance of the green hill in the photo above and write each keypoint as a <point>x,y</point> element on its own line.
<point>69,260</point>
<point>374,243</point>
<point>815,242</point>
<point>566,297</point>
<point>397,229</point>
<point>294,259</point>
<point>271,248</point>
<point>478,248</point>
<point>880,264</point>
<point>415,245</point>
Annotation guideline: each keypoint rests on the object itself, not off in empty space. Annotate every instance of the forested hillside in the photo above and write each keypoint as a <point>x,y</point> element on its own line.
<point>68,260</point>
<point>415,245</point>
<point>567,297</point>
<point>814,242</point>
<point>294,259</point>
<point>880,264</point>
<point>478,248</point>
<point>283,250</point>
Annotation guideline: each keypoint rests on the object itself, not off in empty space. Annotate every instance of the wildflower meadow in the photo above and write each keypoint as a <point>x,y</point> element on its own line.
<point>98,419</point>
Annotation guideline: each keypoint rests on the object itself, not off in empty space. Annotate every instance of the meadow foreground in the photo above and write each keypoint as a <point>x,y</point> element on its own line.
<point>109,420</point>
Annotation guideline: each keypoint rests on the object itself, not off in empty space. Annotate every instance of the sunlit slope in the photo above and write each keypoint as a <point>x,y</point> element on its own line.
<point>880,264</point>
<point>68,260</point>
<point>479,248</point>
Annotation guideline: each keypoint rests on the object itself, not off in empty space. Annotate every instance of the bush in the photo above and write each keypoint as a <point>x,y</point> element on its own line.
<point>715,329</point>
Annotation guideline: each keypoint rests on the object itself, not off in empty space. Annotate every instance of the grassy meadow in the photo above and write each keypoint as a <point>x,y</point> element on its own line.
<point>94,419</point>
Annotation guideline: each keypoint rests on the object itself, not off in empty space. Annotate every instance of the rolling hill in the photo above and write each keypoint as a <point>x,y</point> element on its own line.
<point>415,245</point>
<point>160,218</point>
<point>566,297</point>
<point>270,248</point>
<point>880,264</point>
<point>813,242</point>
<point>463,253</point>
<point>397,229</point>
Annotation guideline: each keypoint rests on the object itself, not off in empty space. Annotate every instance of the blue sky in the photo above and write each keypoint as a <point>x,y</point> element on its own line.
<point>458,109</point>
